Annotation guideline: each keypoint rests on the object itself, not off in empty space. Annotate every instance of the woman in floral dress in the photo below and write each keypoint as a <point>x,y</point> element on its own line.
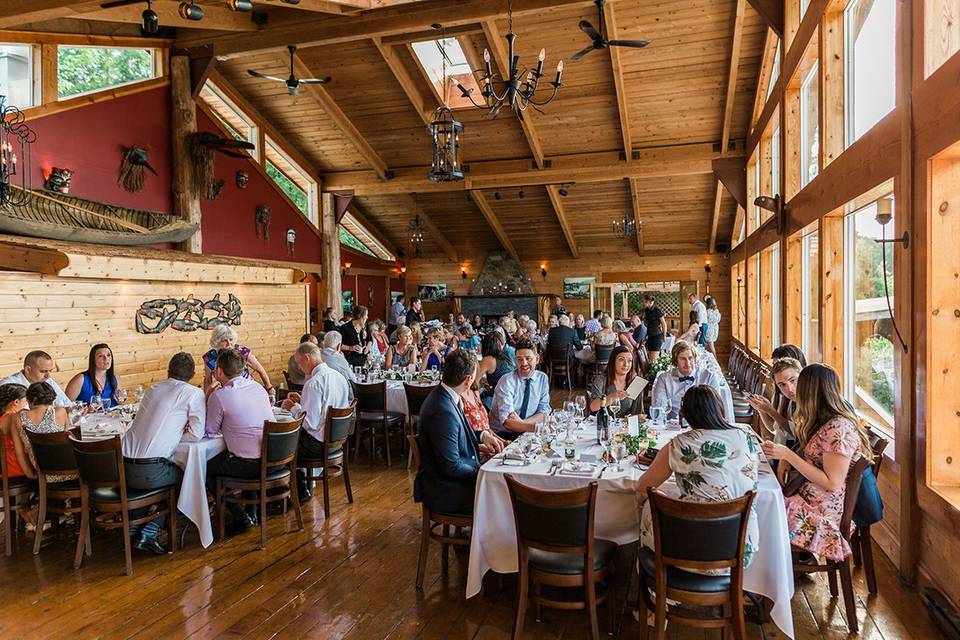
<point>713,462</point>
<point>832,438</point>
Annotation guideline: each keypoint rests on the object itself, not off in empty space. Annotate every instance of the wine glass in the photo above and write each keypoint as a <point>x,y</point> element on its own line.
<point>618,450</point>
<point>581,402</point>
<point>121,396</point>
<point>96,404</point>
<point>138,393</point>
<point>656,413</point>
<point>76,415</point>
<point>614,408</point>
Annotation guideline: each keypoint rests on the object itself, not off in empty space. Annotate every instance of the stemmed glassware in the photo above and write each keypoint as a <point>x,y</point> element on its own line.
<point>121,396</point>
<point>96,404</point>
<point>618,450</point>
<point>138,393</point>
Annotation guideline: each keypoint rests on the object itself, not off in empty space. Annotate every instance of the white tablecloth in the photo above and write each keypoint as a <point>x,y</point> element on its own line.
<point>494,542</point>
<point>397,397</point>
<point>192,456</point>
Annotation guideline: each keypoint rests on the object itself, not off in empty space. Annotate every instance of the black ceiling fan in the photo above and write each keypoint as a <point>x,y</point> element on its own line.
<point>293,82</point>
<point>600,38</point>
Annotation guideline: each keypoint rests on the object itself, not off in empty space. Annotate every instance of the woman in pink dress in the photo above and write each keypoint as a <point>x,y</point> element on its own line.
<point>831,438</point>
<point>476,413</point>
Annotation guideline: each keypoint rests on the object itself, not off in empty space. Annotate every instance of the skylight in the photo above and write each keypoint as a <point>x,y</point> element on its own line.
<point>430,54</point>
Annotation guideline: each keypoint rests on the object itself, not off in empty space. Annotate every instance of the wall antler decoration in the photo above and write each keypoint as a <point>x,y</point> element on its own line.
<point>187,314</point>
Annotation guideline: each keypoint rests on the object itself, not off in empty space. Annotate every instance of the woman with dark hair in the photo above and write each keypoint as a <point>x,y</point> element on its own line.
<point>98,380</point>
<point>790,351</point>
<point>715,461</point>
<point>620,373</point>
<point>477,323</point>
<point>355,337</point>
<point>40,417</point>
<point>495,363</point>
<point>13,398</point>
<point>328,322</point>
<point>830,438</point>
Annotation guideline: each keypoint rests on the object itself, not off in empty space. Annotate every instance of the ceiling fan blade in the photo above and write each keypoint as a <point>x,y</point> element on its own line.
<point>118,3</point>
<point>638,44</point>
<point>580,54</point>
<point>588,29</point>
<point>257,74</point>
<point>323,80</point>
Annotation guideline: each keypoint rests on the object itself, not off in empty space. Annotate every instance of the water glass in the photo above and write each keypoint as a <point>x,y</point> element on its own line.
<point>656,414</point>
<point>618,450</point>
<point>138,392</point>
<point>581,402</point>
<point>122,396</point>
<point>96,404</point>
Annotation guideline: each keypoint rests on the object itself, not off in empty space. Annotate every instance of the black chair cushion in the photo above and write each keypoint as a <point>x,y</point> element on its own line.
<point>276,473</point>
<point>377,416</point>
<point>66,485</point>
<point>572,563</point>
<point>19,483</point>
<point>334,453</point>
<point>103,494</point>
<point>680,579</point>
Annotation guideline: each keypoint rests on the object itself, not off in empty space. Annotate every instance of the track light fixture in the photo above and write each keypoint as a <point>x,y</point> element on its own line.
<point>496,195</point>
<point>190,11</point>
<point>240,5</point>
<point>149,20</point>
<point>521,194</point>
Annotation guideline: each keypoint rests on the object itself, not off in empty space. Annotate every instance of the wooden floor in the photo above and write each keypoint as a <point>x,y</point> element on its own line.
<point>351,576</point>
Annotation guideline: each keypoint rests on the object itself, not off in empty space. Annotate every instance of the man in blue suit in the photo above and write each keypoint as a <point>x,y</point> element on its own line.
<point>449,448</point>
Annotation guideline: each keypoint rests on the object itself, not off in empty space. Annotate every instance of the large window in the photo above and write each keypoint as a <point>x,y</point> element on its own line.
<point>296,183</point>
<point>809,126</point>
<point>86,69</point>
<point>869,332</point>
<point>775,73</point>
<point>231,117</point>
<point>870,31</point>
<point>775,162</point>
<point>16,75</point>
<point>811,295</point>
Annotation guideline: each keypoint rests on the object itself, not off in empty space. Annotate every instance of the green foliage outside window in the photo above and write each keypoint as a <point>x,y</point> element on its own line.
<point>875,370</point>
<point>297,195</point>
<point>869,280</point>
<point>351,241</point>
<point>85,69</point>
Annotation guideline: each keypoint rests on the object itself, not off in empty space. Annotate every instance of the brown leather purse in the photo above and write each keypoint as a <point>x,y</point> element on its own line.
<point>795,480</point>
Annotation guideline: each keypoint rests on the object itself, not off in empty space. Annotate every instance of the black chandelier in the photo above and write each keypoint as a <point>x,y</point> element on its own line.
<point>417,229</point>
<point>517,94</point>
<point>15,136</point>
<point>625,228</point>
<point>445,130</point>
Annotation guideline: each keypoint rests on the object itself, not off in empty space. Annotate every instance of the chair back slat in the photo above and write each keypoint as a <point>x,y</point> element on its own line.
<point>53,452</point>
<point>553,520</point>
<point>416,394</point>
<point>371,396</point>
<point>99,462</point>
<point>292,386</point>
<point>340,424</point>
<point>558,353</point>
<point>603,353</point>
<point>415,450</point>
<point>854,477</point>
<point>280,441</point>
<point>878,444</point>
<point>700,534</point>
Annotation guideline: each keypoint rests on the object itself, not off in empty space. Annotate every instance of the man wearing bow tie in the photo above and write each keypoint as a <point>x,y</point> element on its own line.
<point>449,448</point>
<point>671,384</point>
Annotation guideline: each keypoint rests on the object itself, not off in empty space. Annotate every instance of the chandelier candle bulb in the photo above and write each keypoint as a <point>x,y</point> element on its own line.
<point>559,73</point>
<point>543,54</point>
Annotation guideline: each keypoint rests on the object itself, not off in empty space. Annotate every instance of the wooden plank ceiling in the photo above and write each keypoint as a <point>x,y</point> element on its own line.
<point>660,99</point>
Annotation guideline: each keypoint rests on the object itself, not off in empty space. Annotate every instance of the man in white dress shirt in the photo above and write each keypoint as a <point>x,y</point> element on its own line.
<point>37,367</point>
<point>333,357</point>
<point>168,410</point>
<point>323,389</point>
<point>522,397</point>
<point>671,384</point>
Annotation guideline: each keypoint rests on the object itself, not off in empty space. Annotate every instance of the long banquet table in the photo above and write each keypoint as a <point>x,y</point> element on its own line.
<point>494,541</point>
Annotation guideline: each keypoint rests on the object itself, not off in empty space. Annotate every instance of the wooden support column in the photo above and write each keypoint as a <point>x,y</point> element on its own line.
<point>330,275</point>
<point>183,123</point>
<point>831,290</point>
<point>791,292</point>
<point>48,73</point>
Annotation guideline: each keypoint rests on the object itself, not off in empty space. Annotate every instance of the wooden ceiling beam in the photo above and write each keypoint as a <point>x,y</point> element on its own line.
<point>772,13</point>
<point>603,166</point>
<point>332,7</point>
<point>215,17</point>
<point>432,228</point>
<point>635,205</point>
<point>728,113</point>
<point>499,52</point>
<point>766,73</point>
<point>553,191</point>
<point>383,22</point>
<point>431,34</point>
<point>408,84</point>
<point>610,18</point>
<point>481,201</point>
<point>322,97</point>
<point>15,13</point>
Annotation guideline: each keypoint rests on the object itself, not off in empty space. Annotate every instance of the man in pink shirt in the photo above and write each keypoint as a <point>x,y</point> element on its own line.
<point>237,410</point>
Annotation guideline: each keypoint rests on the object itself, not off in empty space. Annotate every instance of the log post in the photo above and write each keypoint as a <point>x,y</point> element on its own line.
<point>183,123</point>
<point>332,296</point>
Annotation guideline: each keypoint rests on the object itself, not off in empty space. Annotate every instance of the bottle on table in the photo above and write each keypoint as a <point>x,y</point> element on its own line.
<point>603,419</point>
<point>570,446</point>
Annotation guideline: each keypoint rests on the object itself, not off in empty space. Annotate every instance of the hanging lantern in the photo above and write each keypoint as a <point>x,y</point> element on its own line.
<point>417,229</point>
<point>445,131</point>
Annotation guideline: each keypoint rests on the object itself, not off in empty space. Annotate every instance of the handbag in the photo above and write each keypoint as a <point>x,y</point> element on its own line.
<point>795,480</point>
<point>869,507</point>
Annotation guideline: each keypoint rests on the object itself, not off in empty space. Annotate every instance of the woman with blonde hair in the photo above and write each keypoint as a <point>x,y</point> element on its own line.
<point>831,438</point>
<point>223,336</point>
<point>404,353</point>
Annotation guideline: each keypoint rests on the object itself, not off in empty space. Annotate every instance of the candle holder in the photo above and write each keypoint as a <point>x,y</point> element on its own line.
<point>15,138</point>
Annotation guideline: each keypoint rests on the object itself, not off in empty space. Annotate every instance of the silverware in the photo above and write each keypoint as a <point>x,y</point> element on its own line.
<point>602,469</point>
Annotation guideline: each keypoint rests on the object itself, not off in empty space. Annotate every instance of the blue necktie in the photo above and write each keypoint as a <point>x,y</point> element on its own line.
<point>686,378</point>
<point>526,398</point>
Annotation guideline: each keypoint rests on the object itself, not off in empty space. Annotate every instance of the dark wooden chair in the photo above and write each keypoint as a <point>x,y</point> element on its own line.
<point>103,490</point>
<point>416,394</point>
<point>842,567</point>
<point>278,470</point>
<point>431,520</point>
<point>556,548</point>
<point>291,386</point>
<point>53,454</point>
<point>694,536</point>
<point>338,427</point>
<point>558,363</point>
<point>372,414</point>
<point>861,540</point>
<point>598,367</point>
<point>16,494</point>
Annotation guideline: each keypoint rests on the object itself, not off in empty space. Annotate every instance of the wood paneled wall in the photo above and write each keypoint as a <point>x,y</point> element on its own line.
<point>65,316</point>
<point>625,266</point>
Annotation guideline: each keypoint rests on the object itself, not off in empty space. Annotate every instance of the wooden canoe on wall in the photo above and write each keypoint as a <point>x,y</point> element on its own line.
<point>48,214</point>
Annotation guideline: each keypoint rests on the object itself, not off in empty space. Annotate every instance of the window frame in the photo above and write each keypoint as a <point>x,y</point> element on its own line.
<point>306,183</point>
<point>253,130</point>
<point>156,63</point>
<point>812,77</point>
<point>34,65</point>
<point>849,77</point>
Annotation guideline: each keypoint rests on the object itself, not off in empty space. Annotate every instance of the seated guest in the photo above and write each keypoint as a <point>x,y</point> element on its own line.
<point>237,408</point>
<point>593,324</point>
<point>98,380</point>
<point>433,354</point>
<point>512,324</point>
<point>224,337</point>
<point>378,340</point>
<point>404,353</point>
<point>639,329</point>
<point>477,416</point>
<point>495,364</point>
<point>620,373</point>
<point>325,388</point>
<point>605,337</point>
<point>522,398</point>
<point>563,333</point>
<point>13,398</point>
<point>558,308</point>
<point>461,321</point>
<point>580,326</point>
<point>790,351</point>
<point>510,350</point>
<point>692,334</point>
<point>506,325</point>
<point>779,420</point>
<point>449,448</point>
<point>533,335</point>
<point>416,335</point>
<point>523,327</point>
<point>169,410</point>
<point>37,367</point>
<point>293,371</point>
<point>334,359</point>
<point>41,417</point>
<point>625,335</point>
<point>552,321</point>
<point>329,324</point>
<point>477,323</point>
<point>831,438</point>
<point>705,476</point>
<point>670,385</point>
<point>467,338</point>
<point>356,338</point>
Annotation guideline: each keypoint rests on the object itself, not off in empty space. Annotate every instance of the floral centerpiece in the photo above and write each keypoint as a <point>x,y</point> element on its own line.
<point>662,364</point>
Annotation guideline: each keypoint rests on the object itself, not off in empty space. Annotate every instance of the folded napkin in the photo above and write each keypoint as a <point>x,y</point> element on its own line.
<point>579,469</point>
<point>514,456</point>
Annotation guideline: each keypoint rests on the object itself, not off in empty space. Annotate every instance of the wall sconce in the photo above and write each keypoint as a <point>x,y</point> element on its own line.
<point>345,269</point>
<point>463,273</point>
<point>543,271</point>
<point>708,268</point>
<point>403,271</point>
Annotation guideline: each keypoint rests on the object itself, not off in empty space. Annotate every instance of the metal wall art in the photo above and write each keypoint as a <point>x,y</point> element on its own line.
<point>187,314</point>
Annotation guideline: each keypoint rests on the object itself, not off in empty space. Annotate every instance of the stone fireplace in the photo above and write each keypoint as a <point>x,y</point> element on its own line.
<point>501,285</point>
